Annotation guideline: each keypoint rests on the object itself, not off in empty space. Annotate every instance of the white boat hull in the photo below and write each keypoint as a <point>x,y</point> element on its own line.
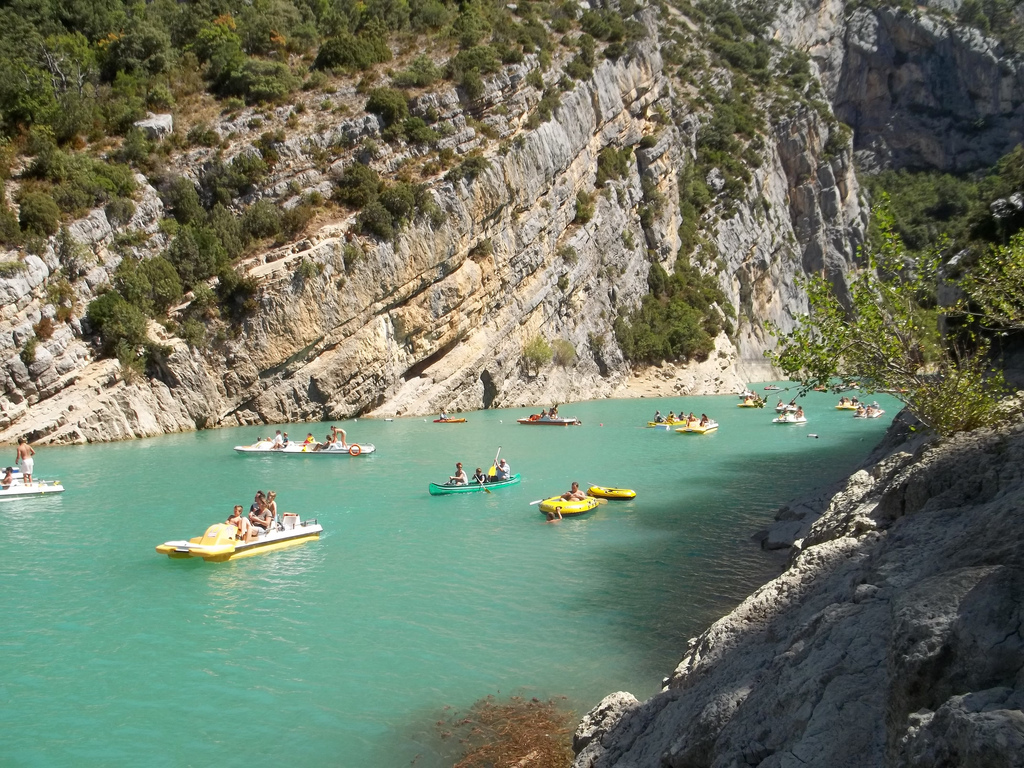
<point>790,419</point>
<point>36,488</point>
<point>301,449</point>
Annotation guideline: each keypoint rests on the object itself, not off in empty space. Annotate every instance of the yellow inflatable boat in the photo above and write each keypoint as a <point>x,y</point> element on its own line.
<point>568,508</point>
<point>610,493</point>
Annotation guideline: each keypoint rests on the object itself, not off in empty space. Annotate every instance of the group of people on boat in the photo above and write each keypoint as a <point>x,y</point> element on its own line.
<point>262,516</point>
<point>502,472</point>
<point>868,411</point>
<point>692,419</point>
<point>280,441</point>
<point>849,401</point>
<point>545,415</point>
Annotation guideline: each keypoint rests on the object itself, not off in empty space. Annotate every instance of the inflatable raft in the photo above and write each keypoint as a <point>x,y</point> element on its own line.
<point>610,493</point>
<point>568,508</point>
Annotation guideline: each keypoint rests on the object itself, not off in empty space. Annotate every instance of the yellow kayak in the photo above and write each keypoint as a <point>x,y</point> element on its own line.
<point>665,424</point>
<point>846,407</point>
<point>611,493</point>
<point>568,508</point>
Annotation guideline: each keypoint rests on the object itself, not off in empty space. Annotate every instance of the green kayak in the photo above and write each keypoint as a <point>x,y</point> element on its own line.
<point>444,488</point>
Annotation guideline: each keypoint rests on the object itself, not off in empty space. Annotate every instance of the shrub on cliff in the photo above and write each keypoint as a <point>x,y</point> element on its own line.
<point>677,320</point>
<point>116,321</point>
<point>389,103</point>
<point>39,215</point>
<point>536,354</point>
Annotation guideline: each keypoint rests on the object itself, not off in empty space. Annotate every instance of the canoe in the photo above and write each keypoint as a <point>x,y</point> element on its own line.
<point>846,407</point>
<point>568,508</point>
<point>772,388</point>
<point>790,418</point>
<point>665,424</point>
<point>301,449</point>
<point>610,493</point>
<point>449,421</point>
<point>218,544</point>
<point>558,422</point>
<point>443,489</point>
<point>697,429</point>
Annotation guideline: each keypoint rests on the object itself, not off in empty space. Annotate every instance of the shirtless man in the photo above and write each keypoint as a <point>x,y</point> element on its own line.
<point>25,460</point>
<point>575,494</point>
<point>8,479</point>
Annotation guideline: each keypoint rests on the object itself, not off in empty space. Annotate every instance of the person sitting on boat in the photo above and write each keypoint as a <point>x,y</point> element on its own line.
<point>334,432</point>
<point>284,440</point>
<point>459,478</point>
<point>444,416</point>
<point>258,511</point>
<point>671,417</point>
<point>272,506</point>
<point>278,442</point>
<point>658,418</point>
<point>553,413</point>
<point>704,420</point>
<point>543,415</point>
<point>575,494</point>
<point>502,471</point>
<point>479,477</point>
<point>242,525</point>
<point>799,412</point>
<point>310,440</point>
<point>8,478</point>
<point>324,445</point>
<point>691,418</point>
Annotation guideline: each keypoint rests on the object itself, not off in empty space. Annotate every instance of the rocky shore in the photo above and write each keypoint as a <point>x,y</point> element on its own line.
<point>894,636</point>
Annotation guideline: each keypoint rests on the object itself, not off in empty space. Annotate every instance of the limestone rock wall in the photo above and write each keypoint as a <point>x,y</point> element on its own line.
<point>439,317</point>
<point>893,638</point>
<point>918,90</point>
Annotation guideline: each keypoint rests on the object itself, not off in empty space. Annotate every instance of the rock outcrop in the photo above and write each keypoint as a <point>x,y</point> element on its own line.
<point>893,638</point>
<point>919,90</point>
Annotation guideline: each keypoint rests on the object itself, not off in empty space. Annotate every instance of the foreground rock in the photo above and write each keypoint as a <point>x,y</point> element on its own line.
<point>894,637</point>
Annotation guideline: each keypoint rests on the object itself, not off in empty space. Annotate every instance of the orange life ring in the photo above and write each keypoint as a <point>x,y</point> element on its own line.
<point>354,449</point>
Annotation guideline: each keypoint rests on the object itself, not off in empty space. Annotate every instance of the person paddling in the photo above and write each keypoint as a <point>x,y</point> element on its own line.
<point>459,478</point>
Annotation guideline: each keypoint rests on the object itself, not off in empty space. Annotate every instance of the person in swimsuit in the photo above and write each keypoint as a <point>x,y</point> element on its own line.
<point>243,526</point>
<point>459,478</point>
<point>9,478</point>
<point>25,460</point>
<point>575,494</point>
<point>335,431</point>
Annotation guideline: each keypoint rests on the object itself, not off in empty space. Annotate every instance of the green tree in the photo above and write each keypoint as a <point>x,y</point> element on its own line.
<point>117,322</point>
<point>996,286</point>
<point>536,354</point>
<point>881,341</point>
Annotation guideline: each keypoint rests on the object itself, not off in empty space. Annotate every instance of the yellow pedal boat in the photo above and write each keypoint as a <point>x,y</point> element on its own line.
<point>219,544</point>
<point>697,429</point>
<point>610,493</point>
<point>846,407</point>
<point>568,508</point>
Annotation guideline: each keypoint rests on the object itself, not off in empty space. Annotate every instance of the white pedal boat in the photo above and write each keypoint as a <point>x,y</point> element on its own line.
<point>219,544</point>
<point>18,489</point>
<point>790,418</point>
<point>303,449</point>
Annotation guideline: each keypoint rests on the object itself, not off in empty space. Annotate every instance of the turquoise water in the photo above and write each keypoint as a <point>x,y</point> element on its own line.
<point>345,651</point>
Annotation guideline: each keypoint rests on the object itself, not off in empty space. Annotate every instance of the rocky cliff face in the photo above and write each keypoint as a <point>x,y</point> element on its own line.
<point>918,90</point>
<point>438,318</point>
<point>893,638</point>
